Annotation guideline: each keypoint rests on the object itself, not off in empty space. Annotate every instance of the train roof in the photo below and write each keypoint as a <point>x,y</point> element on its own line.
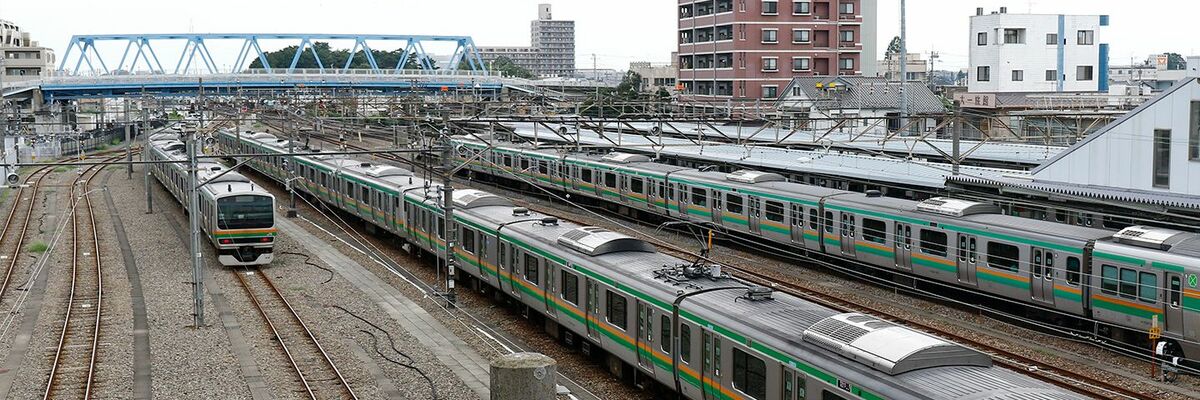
<point>863,349</point>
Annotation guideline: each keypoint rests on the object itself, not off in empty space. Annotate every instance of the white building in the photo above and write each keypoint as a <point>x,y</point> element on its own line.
<point>1152,149</point>
<point>656,76</point>
<point>24,58</point>
<point>552,47</point>
<point>1037,53</point>
<point>917,70</point>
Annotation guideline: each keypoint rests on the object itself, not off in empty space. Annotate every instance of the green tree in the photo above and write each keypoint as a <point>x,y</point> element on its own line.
<point>1175,61</point>
<point>663,95</point>
<point>330,58</point>
<point>893,49</point>
<point>630,86</point>
<point>507,67</point>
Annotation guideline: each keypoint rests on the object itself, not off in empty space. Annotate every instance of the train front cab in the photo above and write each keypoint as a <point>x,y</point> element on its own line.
<point>245,241</point>
<point>1138,279</point>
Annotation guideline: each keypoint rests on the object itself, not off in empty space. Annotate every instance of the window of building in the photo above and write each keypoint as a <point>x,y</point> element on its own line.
<point>983,74</point>
<point>615,309</point>
<point>1162,158</point>
<point>770,91</point>
<point>801,64</point>
<point>531,269</point>
<point>846,8</point>
<point>700,197</point>
<point>981,39</point>
<point>933,242</point>
<point>1083,73</point>
<point>774,211</point>
<point>801,7</point>
<point>770,64</point>
<point>847,36</point>
<point>1018,75</point>
<point>1148,287</point>
<point>1052,39</point>
<point>770,35</point>
<point>770,7</point>
<point>1014,36</point>
<point>1086,38</point>
<point>1194,132</point>
<point>1003,256</point>
<point>874,230</point>
<point>846,63</point>
<point>1051,75</point>
<point>570,287</point>
<point>801,36</point>
<point>749,374</point>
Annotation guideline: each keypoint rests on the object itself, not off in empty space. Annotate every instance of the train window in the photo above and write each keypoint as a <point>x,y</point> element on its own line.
<point>813,217</point>
<point>543,168</point>
<point>570,286</point>
<point>483,246</point>
<point>1128,283</point>
<point>468,240</point>
<point>1003,256</point>
<point>699,197</point>
<point>787,385</point>
<point>801,386</point>
<point>1073,266</point>
<point>437,228</point>
<point>933,242</point>
<point>827,395</point>
<point>774,211</point>
<point>733,203</point>
<point>610,179</point>
<point>716,365</point>
<point>749,374</point>
<point>585,175</point>
<point>874,230</point>
<point>1148,287</point>
<point>1108,279</point>
<point>1176,288</point>
<point>829,222</point>
<point>364,194</point>
<point>664,334</point>
<point>531,269</point>
<point>502,259</point>
<point>1049,265</point>
<point>524,165</point>
<point>508,160</point>
<point>637,185</point>
<point>685,342</point>
<point>615,309</point>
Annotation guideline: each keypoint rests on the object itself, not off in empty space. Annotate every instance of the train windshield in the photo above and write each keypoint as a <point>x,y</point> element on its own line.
<point>245,212</point>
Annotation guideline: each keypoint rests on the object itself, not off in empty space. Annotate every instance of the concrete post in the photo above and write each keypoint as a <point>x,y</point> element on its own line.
<point>524,376</point>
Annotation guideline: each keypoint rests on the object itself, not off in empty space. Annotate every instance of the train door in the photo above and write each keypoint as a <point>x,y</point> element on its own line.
<point>968,254</point>
<point>1041,276</point>
<point>592,309</point>
<point>718,205</point>
<point>550,279</point>
<point>1173,307</point>
<point>903,244</point>
<point>654,192</point>
<point>754,213</point>
<point>645,335</point>
<point>564,174</point>
<point>797,224</point>
<point>514,273</point>
<point>684,200</point>
<point>847,233</point>
<point>706,364</point>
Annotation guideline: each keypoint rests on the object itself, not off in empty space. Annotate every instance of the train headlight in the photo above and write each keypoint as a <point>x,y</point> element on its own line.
<point>13,179</point>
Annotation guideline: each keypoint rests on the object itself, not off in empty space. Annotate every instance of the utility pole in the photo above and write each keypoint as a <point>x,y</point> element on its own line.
<point>451,232</point>
<point>903,69</point>
<point>291,212</point>
<point>194,219</point>
<point>128,142</point>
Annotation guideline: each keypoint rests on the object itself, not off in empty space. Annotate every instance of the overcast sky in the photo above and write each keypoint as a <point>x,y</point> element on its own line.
<point>616,31</point>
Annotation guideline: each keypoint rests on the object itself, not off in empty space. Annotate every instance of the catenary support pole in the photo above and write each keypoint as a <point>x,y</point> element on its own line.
<point>194,218</point>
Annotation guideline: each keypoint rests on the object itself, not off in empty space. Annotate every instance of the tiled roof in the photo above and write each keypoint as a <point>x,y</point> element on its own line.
<point>863,93</point>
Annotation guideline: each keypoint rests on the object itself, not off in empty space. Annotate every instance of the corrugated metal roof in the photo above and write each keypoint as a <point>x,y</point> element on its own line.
<point>1096,192</point>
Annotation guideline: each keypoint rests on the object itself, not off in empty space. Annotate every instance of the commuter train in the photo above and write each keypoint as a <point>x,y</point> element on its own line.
<point>655,313</point>
<point>237,216</point>
<point>1125,281</point>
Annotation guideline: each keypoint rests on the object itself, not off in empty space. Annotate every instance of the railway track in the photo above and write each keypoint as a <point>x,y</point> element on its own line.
<point>12,238</point>
<point>315,372</point>
<point>73,368</point>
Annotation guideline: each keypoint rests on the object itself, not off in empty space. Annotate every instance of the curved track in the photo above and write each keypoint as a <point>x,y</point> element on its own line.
<point>315,371</point>
<point>19,227</point>
<point>73,368</point>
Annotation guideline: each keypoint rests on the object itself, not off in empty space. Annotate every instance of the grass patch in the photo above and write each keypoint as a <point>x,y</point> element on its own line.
<point>64,168</point>
<point>102,147</point>
<point>38,247</point>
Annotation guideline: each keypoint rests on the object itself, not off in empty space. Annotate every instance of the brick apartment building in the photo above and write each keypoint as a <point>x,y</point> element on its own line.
<point>750,49</point>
